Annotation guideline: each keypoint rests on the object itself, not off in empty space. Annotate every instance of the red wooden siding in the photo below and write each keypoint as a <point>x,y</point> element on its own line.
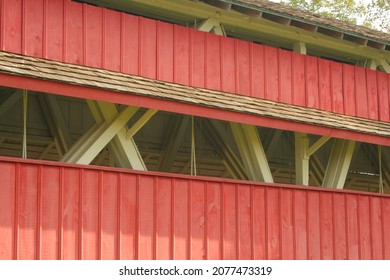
<point>87,35</point>
<point>51,211</point>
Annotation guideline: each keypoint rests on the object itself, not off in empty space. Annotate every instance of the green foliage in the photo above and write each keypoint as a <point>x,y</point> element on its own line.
<point>375,15</point>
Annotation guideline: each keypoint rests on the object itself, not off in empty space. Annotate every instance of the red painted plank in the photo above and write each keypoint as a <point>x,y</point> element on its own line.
<point>109,217</point>
<point>257,71</point>
<point>349,89</point>
<point>74,32</point>
<point>228,63</point>
<point>352,227</point>
<point>298,79</point>
<point>33,27</point>
<point>180,219</point>
<point>148,48</point>
<point>244,226</point>
<point>326,224</point>
<point>28,244</point>
<point>383,96</point>
<point>285,76</point>
<point>213,221</point>
<point>8,192</point>
<point>181,55</point>
<point>271,76</point>
<point>364,227</point>
<point>273,224</point>
<point>112,40</point>
<point>243,67</point>
<point>337,87</point>
<point>376,228</point>
<point>50,195</point>
<point>287,225</point>
<point>54,41</point>
<point>198,247</point>
<point>300,222</point>
<point>229,225</point>
<point>130,44</point>
<point>325,96</point>
<point>259,223</point>
<point>128,217</point>
<point>213,62</point>
<point>312,86</point>
<point>313,226</point>
<point>90,204</point>
<point>361,92</point>
<point>165,51</point>
<point>164,222</point>
<point>12,29</point>
<point>386,228</point>
<point>198,58</point>
<point>146,218</point>
<point>93,36</point>
<point>372,91</point>
<point>339,220</point>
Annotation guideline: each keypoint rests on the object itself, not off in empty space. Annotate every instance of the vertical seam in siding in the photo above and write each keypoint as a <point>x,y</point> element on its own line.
<point>189,218</point>
<point>121,47</point>
<point>119,207</point>
<point>221,222</point>
<point>44,31</point>
<point>382,230</point>
<point>2,25</point>
<point>137,219</point>
<point>39,213</point>
<point>23,39</point>
<point>308,247</point>
<point>333,228</point>
<point>294,224</point>
<point>252,222</point>
<point>84,35</point>
<point>237,220</point>
<point>104,19</point>
<point>154,241</point>
<point>64,33</point>
<point>206,237</point>
<point>99,210</point>
<point>320,215</point>
<point>190,57</point>
<point>358,226</point>
<point>16,213</point>
<point>347,244</point>
<point>251,71</point>
<point>370,226</point>
<point>266,221</point>
<point>173,219</point>
<point>140,45</point>
<point>280,224</point>
<point>60,221</point>
<point>80,224</point>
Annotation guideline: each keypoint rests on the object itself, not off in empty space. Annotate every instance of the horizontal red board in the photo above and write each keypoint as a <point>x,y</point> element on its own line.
<point>77,33</point>
<point>60,211</point>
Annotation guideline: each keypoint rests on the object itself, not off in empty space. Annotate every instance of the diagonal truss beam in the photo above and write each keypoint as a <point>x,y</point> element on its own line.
<point>9,102</point>
<point>212,25</point>
<point>252,152</point>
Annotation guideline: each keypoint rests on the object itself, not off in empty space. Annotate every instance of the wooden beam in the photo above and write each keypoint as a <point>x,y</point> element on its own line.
<point>212,25</point>
<point>140,123</point>
<point>301,159</point>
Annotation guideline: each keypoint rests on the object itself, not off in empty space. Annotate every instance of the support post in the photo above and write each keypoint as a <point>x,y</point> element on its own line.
<point>301,159</point>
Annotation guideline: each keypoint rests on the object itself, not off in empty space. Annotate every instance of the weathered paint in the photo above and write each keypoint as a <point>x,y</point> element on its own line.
<point>82,34</point>
<point>59,211</point>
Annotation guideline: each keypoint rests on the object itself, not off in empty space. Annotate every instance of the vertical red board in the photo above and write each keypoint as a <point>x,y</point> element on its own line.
<point>339,220</point>
<point>12,29</point>
<point>372,92</point>
<point>298,79</point>
<point>130,44</point>
<point>352,227</point>
<point>228,64</point>
<point>180,219</point>
<point>74,33</point>
<point>386,228</point>
<point>243,67</point>
<point>165,51</point>
<point>244,216</point>
<point>326,221</point>
<point>273,227</point>
<point>230,216</point>
<point>181,55</point>
<point>146,218</point>
<point>90,205</point>
<point>349,89</point>
<point>376,228</point>
<point>198,58</point>
<point>287,224</point>
<point>324,91</point>
<point>313,226</point>
<point>33,27</point>
<point>259,223</point>
<point>257,71</point>
<point>285,78</point>
<point>213,62</point>
<point>383,96</point>
<point>300,222</point>
<point>148,48</point>
<point>164,222</point>
<point>312,91</point>
<point>8,190</point>
<point>364,227</point>
<point>109,216</point>
<point>272,75</point>
<point>112,40</point>
<point>198,221</point>
<point>361,92</point>
<point>28,244</point>
<point>54,30</point>
<point>213,231</point>
<point>337,87</point>
<point>70,213</point>
<point>93,36</point>
<point>128,217</point>
<point>50,194</point>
